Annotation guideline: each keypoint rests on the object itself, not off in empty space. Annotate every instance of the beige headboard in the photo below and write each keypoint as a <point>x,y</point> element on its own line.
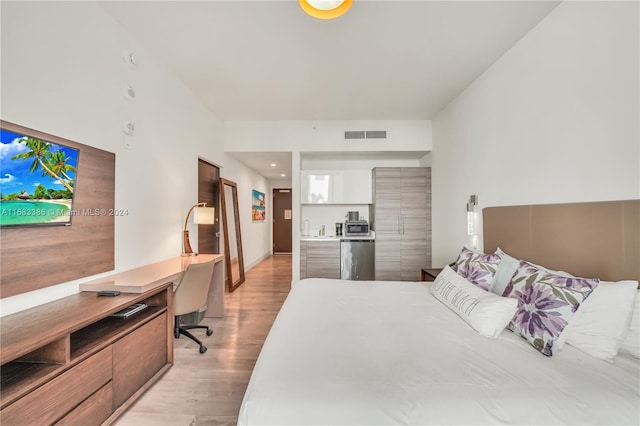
<point>598,239</point>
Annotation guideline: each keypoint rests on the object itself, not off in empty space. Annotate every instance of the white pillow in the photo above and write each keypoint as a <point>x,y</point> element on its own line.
<point>485,312</point>
<point>631,344</point>
<point>601,323</point>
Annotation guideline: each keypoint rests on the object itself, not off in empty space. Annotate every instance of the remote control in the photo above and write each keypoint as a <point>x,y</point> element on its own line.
<point>108,293</point>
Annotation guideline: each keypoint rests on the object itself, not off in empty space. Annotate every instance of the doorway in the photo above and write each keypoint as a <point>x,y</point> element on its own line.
<point>209,192</point>
<point>282,221</point>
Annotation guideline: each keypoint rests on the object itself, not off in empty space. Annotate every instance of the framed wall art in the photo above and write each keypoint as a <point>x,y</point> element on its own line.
<point>257,205</point>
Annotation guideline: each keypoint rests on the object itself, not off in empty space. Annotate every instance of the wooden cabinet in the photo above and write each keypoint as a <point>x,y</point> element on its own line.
<point>430,274</point>
<point>93,410</point>
<point>303,259</point>
<point>70,362</point>
<point>402,221</point>
<point>146,343</point>
<point>59,396</point>
<point>320,259</point>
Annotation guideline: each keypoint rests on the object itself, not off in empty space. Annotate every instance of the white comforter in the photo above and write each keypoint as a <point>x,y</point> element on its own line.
<point>368,353</point>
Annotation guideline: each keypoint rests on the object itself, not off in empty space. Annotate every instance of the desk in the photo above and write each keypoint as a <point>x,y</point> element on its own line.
<point>148,277</point>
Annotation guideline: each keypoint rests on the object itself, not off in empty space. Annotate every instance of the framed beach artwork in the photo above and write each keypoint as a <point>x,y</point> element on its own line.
<point>257,205</point>
<point>37,180</point>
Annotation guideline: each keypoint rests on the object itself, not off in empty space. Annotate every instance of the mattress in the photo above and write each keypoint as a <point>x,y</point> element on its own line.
<point>365,353</point>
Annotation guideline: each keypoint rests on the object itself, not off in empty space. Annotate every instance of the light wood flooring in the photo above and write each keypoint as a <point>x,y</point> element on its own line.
<point>207,389</point>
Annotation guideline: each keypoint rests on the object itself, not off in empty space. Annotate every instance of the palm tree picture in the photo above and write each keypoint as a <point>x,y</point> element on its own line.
<point>58,163</point>
<point>37,180</point>
<point>49,161</point>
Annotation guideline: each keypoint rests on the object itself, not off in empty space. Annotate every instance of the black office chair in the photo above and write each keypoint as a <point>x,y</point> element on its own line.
<point>189,296</point>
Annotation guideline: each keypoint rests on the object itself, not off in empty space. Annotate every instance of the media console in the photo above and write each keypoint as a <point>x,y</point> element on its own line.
<point>71,362</point>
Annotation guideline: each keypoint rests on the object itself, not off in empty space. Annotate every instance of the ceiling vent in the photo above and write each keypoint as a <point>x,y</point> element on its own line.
<point>369,134</point>
<point>376,134</point>
<point>354,134</point>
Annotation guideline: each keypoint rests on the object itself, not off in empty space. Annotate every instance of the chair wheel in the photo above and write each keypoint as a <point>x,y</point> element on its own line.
<point>176,333</point>
<point>209,332</point>
<point>203,349</point>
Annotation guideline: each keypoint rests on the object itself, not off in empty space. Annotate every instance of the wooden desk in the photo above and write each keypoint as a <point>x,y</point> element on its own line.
<point>145,278</point>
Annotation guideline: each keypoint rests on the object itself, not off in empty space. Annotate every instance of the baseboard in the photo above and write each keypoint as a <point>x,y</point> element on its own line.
<point>247,268</point>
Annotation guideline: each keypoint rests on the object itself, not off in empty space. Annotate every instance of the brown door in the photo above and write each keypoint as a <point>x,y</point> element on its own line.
<point>209,235</point>
<point>281,221</point>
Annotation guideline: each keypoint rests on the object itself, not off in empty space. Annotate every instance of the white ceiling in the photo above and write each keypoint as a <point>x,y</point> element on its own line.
<point>383,60</point>
<point>261,162</point>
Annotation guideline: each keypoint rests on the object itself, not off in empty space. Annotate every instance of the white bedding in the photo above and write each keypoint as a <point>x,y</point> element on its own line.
<point>365,353</point>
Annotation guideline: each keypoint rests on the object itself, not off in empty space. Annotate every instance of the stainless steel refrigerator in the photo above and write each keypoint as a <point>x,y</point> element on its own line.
<point>357,259</point>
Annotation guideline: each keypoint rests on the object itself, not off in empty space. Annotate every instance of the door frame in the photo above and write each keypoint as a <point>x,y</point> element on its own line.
<point>215,192</point>
<point>273,221</point>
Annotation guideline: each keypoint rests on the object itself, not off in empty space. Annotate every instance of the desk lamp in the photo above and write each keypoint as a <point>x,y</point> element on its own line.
<point>202,216</point>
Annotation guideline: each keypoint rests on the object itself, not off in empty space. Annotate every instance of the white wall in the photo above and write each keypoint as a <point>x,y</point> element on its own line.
<point>554,120</point>
<point>314,136</point>
<point>256,236</point>
<point>63,73</point>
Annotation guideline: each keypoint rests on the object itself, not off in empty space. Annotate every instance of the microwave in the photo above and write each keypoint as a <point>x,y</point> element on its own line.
<point>356,227</point>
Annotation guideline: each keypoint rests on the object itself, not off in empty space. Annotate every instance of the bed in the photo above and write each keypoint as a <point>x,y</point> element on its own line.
<point>364,353</point>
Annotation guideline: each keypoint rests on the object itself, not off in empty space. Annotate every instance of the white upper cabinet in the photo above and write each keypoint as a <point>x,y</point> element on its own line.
<point>352,187</point>
<point>335,187</point>
<point>316,187</point>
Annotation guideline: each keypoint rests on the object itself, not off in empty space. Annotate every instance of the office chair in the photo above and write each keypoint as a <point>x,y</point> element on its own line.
<point>189,296</point>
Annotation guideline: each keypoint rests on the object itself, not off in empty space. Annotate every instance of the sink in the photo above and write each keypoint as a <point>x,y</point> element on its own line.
<point>320,238</point>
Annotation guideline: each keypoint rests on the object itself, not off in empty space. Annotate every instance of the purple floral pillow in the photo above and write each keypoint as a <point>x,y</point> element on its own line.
<point>478,268</point>
<point>463,257</point>
<point>546,302</point>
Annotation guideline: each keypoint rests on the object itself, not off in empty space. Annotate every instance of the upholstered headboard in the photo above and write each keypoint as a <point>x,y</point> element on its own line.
<point>597,239</point>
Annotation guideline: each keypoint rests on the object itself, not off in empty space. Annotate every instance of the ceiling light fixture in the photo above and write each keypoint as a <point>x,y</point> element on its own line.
<point>325,9</point>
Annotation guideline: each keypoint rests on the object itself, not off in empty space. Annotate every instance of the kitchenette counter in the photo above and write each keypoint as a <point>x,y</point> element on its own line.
<point>370,236</point>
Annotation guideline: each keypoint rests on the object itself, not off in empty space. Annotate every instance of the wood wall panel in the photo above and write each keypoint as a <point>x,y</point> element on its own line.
<point>593,240</point>
<point>36,257</point>
<point>631,239</point>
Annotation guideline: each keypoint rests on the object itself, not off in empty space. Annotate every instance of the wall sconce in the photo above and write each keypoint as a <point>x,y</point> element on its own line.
<point>201,216</point>
<point>471,204</point>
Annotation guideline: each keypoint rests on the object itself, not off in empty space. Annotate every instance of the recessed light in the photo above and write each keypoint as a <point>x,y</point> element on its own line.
<point>282,174</point>
<point>273,164</point>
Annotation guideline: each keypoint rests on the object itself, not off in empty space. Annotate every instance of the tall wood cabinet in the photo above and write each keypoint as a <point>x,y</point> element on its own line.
<point>401,217</point>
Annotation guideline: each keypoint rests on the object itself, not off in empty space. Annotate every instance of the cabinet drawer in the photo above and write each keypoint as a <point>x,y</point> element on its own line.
<point>93,411</point>
<point>55,399</point>
<point>137,357</point>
